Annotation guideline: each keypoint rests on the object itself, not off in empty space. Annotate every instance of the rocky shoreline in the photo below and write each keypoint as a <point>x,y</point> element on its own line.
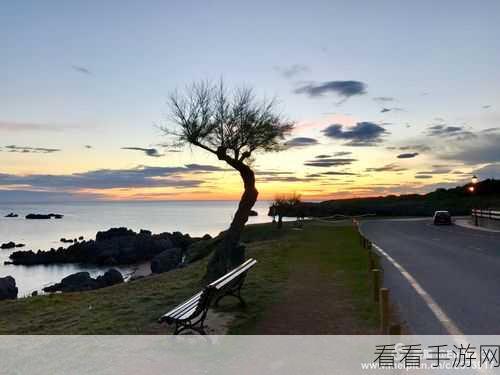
<point>116,246</point>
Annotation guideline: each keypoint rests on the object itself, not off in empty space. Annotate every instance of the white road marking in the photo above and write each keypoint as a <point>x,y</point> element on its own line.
<point>438,312</point>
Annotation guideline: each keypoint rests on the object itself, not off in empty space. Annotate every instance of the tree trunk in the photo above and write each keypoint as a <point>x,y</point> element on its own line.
<point>229,253</point>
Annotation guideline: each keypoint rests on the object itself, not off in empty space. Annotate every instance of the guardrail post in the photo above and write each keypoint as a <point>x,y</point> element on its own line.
<point>371,263</point>
<point>384,310</point>
<point>376,283</point>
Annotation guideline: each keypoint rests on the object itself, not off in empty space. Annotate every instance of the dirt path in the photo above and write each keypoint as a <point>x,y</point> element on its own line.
<point>313,303</point>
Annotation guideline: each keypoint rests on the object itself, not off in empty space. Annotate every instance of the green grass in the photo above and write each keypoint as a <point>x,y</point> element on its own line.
<point>133,308</point>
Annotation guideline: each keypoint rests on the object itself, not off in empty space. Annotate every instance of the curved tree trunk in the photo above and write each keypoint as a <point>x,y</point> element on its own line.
<point>229,253</point>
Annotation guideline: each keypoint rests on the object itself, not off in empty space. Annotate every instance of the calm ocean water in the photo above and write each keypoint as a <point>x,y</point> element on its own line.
<point>86,218</point>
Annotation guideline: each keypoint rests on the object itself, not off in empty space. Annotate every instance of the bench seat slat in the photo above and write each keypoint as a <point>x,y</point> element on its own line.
<point>180,312</point>
<point>231,273</point>
<point>190,300</point>
<point>235,275</point>
<point>187,314</point>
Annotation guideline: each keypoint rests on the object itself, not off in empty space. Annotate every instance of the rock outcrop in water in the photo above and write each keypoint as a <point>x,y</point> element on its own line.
<point>11,245</point>
<point>111,247</point>
<point>43,216</point>
<point>82,281</point>
<point>8,288</point>
<point>12,214</point>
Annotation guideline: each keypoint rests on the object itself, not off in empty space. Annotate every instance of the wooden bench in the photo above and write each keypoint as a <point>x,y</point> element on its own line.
<point>191,313</point>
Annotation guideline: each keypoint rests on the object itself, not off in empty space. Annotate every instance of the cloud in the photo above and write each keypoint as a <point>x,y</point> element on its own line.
<point>153,152</point>
<point>450,131</point>
<point>11,126</point>
<point>81,69</point>
<point>344,89</point>
<point>488,171</point>
<point>387,168</point>
<point>434,172</point>
<point>32,150</point>
<point>362,134</point>
<point>383,99</point>
<point>271,173</point>
<point>408,155</point>
<point>329,162</point>
<point>419,148</point>
<point>301,142</point>
<point>481,149</point>
<point>394,109</point>
<point>292,70</point>
<point>205,168</point>
<point>141,176</point>
<point>30,196</point>
<point>323,156</point>
<point>342,153</point>
<point>283,179</point>
<point>335,173</point>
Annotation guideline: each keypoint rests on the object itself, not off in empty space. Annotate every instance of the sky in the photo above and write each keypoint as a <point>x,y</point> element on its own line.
<point>388,97</point>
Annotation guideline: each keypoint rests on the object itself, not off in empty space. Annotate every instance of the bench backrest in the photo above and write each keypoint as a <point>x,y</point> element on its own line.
<point>232,275</point>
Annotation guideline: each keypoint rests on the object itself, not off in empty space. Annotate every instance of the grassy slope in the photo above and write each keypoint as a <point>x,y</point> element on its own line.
<point>133,308</point>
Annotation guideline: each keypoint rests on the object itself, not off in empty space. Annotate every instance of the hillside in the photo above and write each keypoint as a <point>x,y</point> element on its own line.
<point>458,200</point>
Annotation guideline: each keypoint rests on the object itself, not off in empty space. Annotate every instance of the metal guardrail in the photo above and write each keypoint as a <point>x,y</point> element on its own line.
<point>488,214</point>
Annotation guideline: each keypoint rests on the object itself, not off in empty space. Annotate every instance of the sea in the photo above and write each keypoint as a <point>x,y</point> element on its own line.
<point>87,218</point>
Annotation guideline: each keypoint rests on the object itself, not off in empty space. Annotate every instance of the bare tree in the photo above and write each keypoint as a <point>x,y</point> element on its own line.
<point>285,205</point>
<point>233,127</point>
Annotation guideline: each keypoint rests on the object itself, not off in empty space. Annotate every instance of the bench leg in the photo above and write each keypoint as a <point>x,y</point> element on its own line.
<point>200,330</point>
<point>236,294</point>
<point>198,326</point>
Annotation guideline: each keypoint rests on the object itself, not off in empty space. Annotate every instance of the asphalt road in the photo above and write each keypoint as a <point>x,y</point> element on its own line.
<point>458,267</point>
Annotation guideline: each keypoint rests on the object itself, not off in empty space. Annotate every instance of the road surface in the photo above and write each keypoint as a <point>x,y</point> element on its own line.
<point>458,267</point>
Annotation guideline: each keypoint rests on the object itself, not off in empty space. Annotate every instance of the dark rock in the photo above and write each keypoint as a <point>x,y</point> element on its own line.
<point>11,245</point>
<point>12,214</point>
<point>8,245</point>
<point>8,289</point>
<point>114,232</point>
<point>43,216</point>
<point>110,277</point>
<point>167,260</point>
<point>74,283</point>
<point>112,247</point>
<point>253,213</point>
<point>81,281</point>
<point>181,240</point>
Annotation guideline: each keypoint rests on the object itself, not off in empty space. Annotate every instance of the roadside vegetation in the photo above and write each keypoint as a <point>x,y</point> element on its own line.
<point>313,280</point>
<point>458,201</point>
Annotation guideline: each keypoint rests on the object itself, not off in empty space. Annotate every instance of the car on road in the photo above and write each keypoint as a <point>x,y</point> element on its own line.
<point>442,218</point>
